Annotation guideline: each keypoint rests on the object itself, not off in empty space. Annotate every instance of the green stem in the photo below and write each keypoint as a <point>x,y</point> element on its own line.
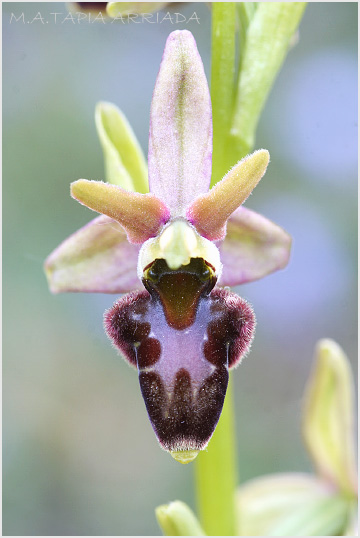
<point>266,31</point>
<point>216,476</point>
<point>222,81</point>
<point>215,469</point>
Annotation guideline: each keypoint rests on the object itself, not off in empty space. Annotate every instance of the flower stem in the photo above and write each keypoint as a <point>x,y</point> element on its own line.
<point>215,469</point>
<point>222,81</point>
<point>216,476</point>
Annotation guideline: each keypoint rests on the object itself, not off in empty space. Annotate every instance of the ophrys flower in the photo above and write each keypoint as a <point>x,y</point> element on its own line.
<point>180,240</point>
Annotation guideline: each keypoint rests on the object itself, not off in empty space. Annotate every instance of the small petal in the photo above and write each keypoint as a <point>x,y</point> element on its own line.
<point>268,503</point>
<point>96,258</point>
<point>141,215</point>
<point>125,163</point>
<point>180,142</point>
<point>253,247</point>
<point>210,212</point>
<point>120,9</point>
<point>328,416</point>
<point>177,519</point>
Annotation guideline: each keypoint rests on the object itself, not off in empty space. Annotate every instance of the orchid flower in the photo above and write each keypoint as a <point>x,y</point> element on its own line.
<point>172,248</point>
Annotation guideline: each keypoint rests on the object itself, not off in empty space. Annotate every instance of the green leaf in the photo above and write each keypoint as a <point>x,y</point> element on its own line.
<point>177,519</point>
<point>267,502</point>
<point>246,11</point>
<point>125,164</point>
<point>325,517</point>
<point>328,416</point>
<point>267,40</point>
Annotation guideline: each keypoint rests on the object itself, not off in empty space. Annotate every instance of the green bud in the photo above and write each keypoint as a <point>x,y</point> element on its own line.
<point>177,519</point>
<point>125,164</point>
<point>328,418</point>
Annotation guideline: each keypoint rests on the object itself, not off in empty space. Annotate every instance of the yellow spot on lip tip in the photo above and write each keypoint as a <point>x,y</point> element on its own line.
<point>184,456</point>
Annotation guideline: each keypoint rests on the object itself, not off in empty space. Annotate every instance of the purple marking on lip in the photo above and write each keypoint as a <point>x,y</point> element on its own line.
<point>183,373</point>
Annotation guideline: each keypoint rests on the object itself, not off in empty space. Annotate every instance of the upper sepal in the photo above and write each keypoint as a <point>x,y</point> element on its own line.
<point>180,140</point>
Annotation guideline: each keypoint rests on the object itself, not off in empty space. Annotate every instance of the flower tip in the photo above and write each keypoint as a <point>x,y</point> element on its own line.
<point>49,272</point>
<point>260,160</point>
<point>284,257</point>
<point>103,106</point>
<point>179,34</point>
<point>184,456</point>
<point>106,110</point>
<point>262,156</point>
<point>257,163</point>
<point>78,188</point>
<point>328,347</point>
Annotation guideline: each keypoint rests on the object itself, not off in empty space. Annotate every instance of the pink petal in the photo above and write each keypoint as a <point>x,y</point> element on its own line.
<point>96,258</point>
<point>141,215</point>
<point>254,247</point>
<point>180,142</point>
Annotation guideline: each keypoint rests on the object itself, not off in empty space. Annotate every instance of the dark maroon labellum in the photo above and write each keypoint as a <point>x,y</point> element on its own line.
<point>183,336</point>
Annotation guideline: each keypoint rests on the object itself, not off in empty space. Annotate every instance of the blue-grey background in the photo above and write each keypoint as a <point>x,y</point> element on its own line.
<point>79,454</point>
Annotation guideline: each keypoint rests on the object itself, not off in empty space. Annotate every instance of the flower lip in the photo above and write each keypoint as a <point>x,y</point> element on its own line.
<point>183,372</point>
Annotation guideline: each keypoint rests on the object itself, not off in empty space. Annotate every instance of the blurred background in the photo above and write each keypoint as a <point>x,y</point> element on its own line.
<point>79,454</point>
